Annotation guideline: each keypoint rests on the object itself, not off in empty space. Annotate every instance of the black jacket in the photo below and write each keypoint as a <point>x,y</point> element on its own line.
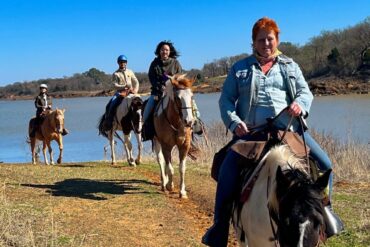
<point>158,72</point>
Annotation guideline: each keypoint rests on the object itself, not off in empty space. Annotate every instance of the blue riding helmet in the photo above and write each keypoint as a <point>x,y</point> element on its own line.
<point>122,58</point>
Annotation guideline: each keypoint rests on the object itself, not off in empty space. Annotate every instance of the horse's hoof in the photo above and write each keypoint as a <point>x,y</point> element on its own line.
<point>184,196</point>
<point>59,161</point>
<point>114,164</point>
<point>132,163</point>
<point>169,187</point>
<point>138,162</point>
<point>52,163</point>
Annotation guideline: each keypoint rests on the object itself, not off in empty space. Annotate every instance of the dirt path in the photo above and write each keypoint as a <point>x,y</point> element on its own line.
<point>100,205</point>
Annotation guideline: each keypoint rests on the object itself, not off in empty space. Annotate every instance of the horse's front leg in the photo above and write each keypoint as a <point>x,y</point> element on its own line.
<point>111,143</point>
<point>160,160</point>
<point>167,154</point>
<point>139,148</point>
<point>60,143</point>
<point>182,168</point>
<point>33,150</point>
<point>128,148</point>
<point>44,152</point>
<point>51,154</point>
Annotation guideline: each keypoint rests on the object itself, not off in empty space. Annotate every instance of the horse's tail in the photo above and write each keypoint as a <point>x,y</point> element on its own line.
<point>101,129</point>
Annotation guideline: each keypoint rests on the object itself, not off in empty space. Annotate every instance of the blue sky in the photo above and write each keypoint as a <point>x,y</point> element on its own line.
<point>51,39</point>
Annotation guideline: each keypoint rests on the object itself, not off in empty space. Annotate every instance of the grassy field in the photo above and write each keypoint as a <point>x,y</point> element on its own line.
<point>96,204</point>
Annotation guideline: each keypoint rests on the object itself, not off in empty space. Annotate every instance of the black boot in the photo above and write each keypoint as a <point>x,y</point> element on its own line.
<point>218,234</point>
<point>334,224</point>
<point>65,132</point>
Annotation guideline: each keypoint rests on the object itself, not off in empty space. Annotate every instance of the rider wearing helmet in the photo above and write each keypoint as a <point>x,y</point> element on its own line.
<point>42,103</point>
<point>124,82</point>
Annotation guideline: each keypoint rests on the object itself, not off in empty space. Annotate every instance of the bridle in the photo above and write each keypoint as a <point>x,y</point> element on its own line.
<point>178,109</point>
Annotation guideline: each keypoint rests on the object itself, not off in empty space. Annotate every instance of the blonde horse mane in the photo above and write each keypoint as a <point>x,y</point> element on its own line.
<point>281,156</point>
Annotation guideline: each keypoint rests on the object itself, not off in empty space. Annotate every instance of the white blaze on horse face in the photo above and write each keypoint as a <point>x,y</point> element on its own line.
<point>186,106</point>
<point>302,229</point>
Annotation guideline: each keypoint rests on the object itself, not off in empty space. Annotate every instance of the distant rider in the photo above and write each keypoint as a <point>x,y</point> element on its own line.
<point>43,103</point>
<point>124,82</point>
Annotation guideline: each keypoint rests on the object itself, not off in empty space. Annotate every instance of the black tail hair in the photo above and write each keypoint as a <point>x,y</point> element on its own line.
<point>101,129</point>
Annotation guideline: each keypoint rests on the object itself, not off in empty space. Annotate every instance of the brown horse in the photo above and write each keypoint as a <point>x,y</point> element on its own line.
<point>50,129</point>
<point>173,120</point>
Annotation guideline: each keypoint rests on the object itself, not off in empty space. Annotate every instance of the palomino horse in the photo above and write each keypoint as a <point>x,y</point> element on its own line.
<point>50,129</point>
<point>173,120</point>
<point>128,118</point>
<point>285,206</point>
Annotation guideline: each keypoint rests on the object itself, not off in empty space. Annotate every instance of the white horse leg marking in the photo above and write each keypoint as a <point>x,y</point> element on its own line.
<point>111,142</point>
<point>128,148</point>
<point>302,229</point>
<point>182,168</point>
<point>139,148</point>
<point>161,162</point>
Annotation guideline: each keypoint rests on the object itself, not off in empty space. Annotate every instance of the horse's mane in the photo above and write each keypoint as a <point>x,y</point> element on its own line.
<point>282,156</point>
<point>182,81</point>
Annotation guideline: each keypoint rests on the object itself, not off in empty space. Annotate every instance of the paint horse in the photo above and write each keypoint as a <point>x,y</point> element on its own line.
<point>173,120</point>
<point>50,129</point>
<point>285,206</point>
<point>128,118</point>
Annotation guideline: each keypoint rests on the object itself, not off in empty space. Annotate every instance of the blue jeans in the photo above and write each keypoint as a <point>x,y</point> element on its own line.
<point>148,108</point>
<point>321,157</point>
<point>113,101</point>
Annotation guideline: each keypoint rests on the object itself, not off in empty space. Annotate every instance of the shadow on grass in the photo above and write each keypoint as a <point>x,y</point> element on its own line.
<point>94,189</point>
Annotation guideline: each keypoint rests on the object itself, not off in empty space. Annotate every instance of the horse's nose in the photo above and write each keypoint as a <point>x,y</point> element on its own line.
<point>189,123</point>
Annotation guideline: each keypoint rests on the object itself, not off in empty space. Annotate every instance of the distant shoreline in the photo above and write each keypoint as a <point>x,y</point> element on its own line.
<point>321,86</point>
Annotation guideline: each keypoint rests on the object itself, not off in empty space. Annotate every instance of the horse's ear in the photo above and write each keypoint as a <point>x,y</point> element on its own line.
<point>323,181</point>
<point>63,110</point>
<point>281,181</point>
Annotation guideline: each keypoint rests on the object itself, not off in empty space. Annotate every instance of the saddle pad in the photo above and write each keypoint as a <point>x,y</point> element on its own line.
<point>251,150</point>
<point>295,143</point>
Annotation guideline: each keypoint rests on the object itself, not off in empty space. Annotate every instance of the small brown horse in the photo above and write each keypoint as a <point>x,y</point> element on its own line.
<point>50,129</point>
<point>173,120</point>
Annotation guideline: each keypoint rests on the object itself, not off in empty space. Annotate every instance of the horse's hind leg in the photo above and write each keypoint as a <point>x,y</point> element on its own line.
<point>128,148</point>
<point>111,142</point>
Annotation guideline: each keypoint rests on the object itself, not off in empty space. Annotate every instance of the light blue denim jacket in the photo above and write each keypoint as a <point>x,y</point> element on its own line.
<point>240,90</point>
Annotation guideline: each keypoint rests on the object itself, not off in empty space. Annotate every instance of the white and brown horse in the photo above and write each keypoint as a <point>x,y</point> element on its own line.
<point>128,118</point>
<point>284,207</point>
<point>173,120</point>
<point>50,129</point>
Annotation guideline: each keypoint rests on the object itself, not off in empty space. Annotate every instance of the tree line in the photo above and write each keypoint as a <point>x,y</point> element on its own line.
<point>336,53</point>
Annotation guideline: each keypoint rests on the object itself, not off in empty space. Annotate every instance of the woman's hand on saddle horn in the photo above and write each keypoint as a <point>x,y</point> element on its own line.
<point>294,109</point>
<point>241,129</point>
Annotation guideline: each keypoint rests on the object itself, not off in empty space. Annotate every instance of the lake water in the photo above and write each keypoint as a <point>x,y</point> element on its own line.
<point>341,116</point>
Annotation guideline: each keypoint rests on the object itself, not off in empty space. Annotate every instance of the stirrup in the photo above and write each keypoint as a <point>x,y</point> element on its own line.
<point>334,224</point>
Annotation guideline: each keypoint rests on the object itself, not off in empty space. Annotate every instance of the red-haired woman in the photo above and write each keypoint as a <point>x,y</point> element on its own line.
<point>256,88</point>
